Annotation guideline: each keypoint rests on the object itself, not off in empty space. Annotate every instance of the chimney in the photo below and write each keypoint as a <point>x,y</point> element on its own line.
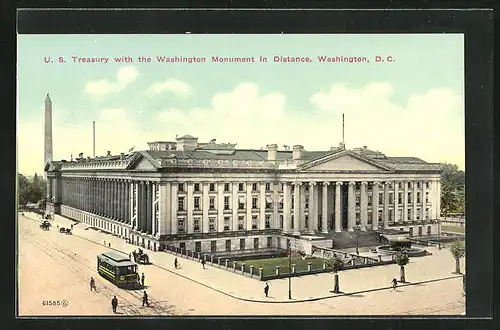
<point>365,148</point>
<point>341,146</point>
<point>297,151</point>
<point>108,154</point>
<point>272,149</point>
<point>80,155</point>
<point>122,155</point>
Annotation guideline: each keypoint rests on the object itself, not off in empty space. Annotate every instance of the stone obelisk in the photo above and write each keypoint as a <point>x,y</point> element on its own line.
<point>47,132</point>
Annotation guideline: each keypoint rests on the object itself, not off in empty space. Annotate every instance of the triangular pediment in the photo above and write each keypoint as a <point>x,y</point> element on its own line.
<point>344,161</point>
<point>143,162</point>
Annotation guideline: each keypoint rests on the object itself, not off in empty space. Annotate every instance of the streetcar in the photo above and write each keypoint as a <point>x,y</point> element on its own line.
<point>118,269</point>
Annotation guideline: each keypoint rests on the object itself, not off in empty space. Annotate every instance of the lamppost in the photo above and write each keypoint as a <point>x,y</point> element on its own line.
<point>357,229</point>
<point>439,233</point>
<point>289,269</point>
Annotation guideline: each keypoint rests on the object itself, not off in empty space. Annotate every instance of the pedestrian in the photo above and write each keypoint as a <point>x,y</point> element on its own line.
<point>203,262</point>
<point>394,284</point>
<point>145,299</point>
<point>104,243</point>
<point>142,279</point>
<point>92,284</point>
<point>114,303</point>
<point>109,244</point>
<point>130,256</point>
<point>266,289</point>
<point>175,263</point>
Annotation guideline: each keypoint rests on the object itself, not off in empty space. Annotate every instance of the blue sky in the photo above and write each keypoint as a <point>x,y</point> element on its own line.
<point>410,107</point>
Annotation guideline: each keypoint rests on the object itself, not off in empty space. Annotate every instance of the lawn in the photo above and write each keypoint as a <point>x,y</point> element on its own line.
<point>453,229</point>
<point>269,265</point>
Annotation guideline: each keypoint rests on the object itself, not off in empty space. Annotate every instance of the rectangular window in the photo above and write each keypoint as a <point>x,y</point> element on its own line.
<point>280,204</point>
<point>226,202</point>
<point>241,203</point>
<point>418,185</point>
<point>241,220</point>
<point>380,198</point>
<point>227,221</point>
<point>358,200</point>
<point>268,186</point>
<point>254,187</point>
<point>197,203</point>
<point>409,215</point>
<point>379,215</point>
<point>426,214</point>
<point>400,185</point>
<point>418,214</point>
<point>369,200</point>
<point>226,187</point>
<point>369,220</point>
<point>213,246</point>
<point>256,243</point>
<point>212,203</point>
<point>254,202</point>
<point>418,197</point>
<point>281,186</point>
<point>197,246</point>
<point>180,225</point>
<point>196,222</point>
<point>391,198</point>
<point>269,203</point>
<point>241,187</point>
<point>254,222</point>
<point>281,221</point>
<point>181,204</point>
<point>427,185</point>
<point>242,244</point>
<point>269,242</point>
<point>268,221</point>
<point>409,198</point>
<point>400,197</point>
<point>426,197</point>
<point>228,245</point>
<point>196,187</point>
<point>409,184</point>
<point>182,246</point>
<point>211,224</point>
<point>211,187</point>
<point>306,202</point>
<point>180,187</point>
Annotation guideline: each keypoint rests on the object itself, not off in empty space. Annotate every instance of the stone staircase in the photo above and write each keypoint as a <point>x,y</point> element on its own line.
<point>346,240</point>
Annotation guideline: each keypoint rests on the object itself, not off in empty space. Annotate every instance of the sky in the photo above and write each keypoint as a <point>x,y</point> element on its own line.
<point>412,106</point>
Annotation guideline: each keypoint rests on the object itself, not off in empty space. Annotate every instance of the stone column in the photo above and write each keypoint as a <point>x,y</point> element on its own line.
<point>312,209</point>
<point>405,201</point>
<point>154,206</point>
<point>422,202</point>
<point>220,207</point>
<point>114,199</point>
<point>248,186</point>
<point>324,206</point>
<point>364,206</point>
<point>205,206</point>
<point>149,207</point>
<point>234,205</point>
<point>275,219</point>
<point>302,207</point>
<point>262,199</point>
<point>174,206</point>
<point>108,198</point>
<point>396,202</point>
<point>296,208</point>
<point>386,204</point>
<point>123,201</point>
<point>351,207</point>
<point>414,202</point>
<point>286,208</point>
<point>190,207</point>
<point>338,208</point>
<point>438,199</point>
<point>375,205</point>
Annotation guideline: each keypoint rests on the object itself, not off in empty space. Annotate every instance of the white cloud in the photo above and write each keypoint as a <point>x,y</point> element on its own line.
<point>177,87</point>
<point>124,77</point>
<point>428,125</point>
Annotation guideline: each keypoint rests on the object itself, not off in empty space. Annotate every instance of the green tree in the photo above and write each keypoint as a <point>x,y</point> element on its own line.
<point>337,265</point>
<point>457,249</point>
<point>31,191</point>
<point>22,189</point>
<point>452,189</point>
<point>402,260</point>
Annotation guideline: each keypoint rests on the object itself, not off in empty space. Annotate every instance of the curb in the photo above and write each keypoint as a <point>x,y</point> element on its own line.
<point>283,301</point>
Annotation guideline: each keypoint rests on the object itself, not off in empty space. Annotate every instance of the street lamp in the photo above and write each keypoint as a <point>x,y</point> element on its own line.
<point>289,269</point>
<point>439,233</point>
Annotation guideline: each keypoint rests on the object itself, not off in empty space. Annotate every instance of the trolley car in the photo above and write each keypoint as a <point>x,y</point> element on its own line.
<point>118,269</point>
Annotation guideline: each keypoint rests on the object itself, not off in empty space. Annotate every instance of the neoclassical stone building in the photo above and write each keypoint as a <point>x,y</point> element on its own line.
<point>213,197</point>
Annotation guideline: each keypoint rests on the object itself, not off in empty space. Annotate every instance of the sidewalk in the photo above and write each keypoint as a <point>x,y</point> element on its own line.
<point>311,287</point>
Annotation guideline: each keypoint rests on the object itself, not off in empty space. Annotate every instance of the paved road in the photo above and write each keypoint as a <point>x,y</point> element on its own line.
<point>58,267</point>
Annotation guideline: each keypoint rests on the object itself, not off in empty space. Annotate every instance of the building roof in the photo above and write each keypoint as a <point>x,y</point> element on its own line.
<point>187,136</point>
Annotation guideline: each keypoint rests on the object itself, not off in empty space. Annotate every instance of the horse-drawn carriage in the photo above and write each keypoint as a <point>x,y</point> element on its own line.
<point>45,225</point>
<point>140,257</point>
<point>66,231</point>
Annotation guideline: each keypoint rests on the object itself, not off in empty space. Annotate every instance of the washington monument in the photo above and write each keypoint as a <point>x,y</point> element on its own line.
<point>47,132</point>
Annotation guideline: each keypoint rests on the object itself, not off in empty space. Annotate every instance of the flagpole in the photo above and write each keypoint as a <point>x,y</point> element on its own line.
<point>343,141</point>
<point>93,137</point>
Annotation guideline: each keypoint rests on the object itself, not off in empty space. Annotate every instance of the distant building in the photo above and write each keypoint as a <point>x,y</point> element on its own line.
<point>214,197</point>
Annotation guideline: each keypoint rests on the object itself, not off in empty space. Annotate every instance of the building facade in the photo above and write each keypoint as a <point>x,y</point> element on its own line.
<point>212,197</point>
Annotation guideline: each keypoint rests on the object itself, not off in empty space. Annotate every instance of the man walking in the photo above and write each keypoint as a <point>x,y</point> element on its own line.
<point>92,284</point>
<point>203,262</point>
<point>266,289</point>
<point>142,279</point>
<point>175,263</point>
<point>394,284</point>
<point>145,299</point>
<point>114,304</point>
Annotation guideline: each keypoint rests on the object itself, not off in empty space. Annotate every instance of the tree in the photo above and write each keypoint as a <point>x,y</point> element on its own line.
<point>452,189</point>
<point>31,191</point>
<point>402,260</point>
<point>336,264</point>
<point>457,249</point>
